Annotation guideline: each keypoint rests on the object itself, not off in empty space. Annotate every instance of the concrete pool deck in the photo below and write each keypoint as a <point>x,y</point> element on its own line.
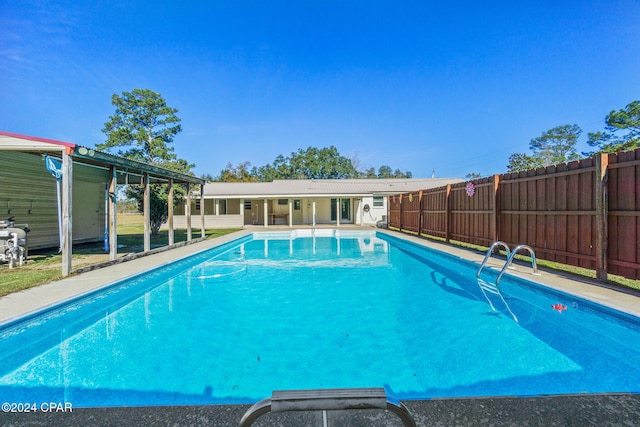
<point>610,409</point>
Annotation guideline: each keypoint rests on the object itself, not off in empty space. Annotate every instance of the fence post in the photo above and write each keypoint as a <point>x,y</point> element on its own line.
<point>494,224</point>
<point>602,164</point>
<point>420,213</point>
<point>400,203</point>
<point>447,215</point>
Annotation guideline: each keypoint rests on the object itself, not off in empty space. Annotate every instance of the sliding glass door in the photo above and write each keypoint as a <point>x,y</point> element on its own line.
<point>345,209</point>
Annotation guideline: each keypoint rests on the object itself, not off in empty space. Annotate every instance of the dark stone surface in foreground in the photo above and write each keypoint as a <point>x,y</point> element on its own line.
<point>579,410</point>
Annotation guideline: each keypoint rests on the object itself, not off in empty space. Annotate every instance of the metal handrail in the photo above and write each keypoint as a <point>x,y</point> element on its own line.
<point>401,412</point>
<point>510,259</point>
<point>326,400</point>
<point>486,257</point>
<point>256,411</point>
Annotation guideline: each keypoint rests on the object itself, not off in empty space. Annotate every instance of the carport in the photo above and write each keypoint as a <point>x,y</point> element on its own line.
<point>118,171</point>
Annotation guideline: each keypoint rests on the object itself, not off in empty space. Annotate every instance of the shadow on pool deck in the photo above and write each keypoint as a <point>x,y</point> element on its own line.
<point>575,410</point>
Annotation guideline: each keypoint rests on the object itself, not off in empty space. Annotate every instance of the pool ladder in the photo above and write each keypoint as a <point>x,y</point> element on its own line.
<point>488,287</point>
<point>494,288</point>
<point>510,256</point>
<point>486,257</point>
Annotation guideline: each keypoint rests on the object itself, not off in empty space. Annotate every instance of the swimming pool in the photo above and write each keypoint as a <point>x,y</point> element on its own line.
<point>285,311</point>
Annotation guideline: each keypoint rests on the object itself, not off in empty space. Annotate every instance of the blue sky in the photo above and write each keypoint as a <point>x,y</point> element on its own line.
<point>454,87</point>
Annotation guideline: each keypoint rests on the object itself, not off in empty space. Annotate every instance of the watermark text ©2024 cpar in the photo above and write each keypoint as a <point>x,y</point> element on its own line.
<point>37,407</point>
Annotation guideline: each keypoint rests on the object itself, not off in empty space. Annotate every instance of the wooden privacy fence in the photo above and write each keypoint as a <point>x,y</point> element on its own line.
<point>584,213</point>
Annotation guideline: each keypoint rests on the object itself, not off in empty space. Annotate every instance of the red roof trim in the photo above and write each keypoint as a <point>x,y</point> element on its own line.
<point>35,138</point>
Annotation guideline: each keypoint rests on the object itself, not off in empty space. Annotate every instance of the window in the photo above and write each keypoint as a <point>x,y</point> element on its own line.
<point>378,201</point>
<point>247,205</point>
<point>223,206</point>
<point>283,201</point>
<point>197,204</point>
<point>296,205</point>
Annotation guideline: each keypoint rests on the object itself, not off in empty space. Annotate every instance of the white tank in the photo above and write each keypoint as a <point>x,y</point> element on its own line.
<point>9,236</point>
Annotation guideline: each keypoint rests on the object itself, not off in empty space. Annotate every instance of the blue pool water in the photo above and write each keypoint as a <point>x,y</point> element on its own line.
<point>275,311</point>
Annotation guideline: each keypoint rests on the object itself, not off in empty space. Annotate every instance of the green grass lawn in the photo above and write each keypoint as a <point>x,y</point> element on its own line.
<point>44,266</point>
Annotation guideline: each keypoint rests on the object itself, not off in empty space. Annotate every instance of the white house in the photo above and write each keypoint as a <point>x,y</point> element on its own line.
<point>299,202</point>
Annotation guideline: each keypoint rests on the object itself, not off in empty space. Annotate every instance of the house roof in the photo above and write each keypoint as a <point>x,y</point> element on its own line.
<point>320,187</point>
<point>16,142</point>
<point>79,153</point>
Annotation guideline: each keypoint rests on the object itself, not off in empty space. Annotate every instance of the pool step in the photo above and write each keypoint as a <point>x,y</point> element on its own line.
<point>341,399</point>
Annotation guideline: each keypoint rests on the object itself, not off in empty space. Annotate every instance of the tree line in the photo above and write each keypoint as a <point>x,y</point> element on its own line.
<point>312,163</point>
<point>558,145</point>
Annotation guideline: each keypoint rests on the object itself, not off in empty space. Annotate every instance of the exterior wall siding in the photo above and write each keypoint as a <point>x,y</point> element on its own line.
<point>376,213</point>
<point>28,193</point>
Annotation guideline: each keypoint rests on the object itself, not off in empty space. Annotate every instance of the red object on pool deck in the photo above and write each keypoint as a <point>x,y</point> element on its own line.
<point>559,307</point>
